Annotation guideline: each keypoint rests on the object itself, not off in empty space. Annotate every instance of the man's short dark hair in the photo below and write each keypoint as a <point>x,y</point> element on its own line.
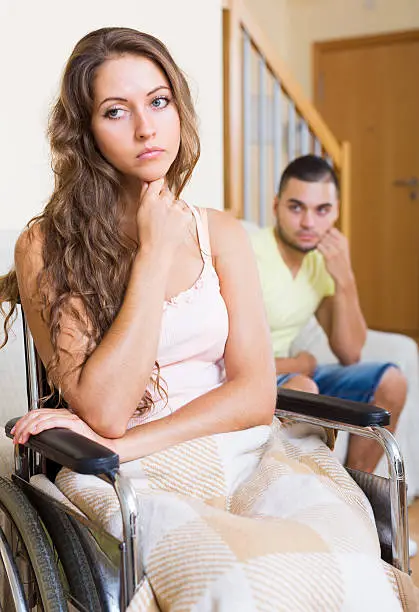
<point>309,168</point>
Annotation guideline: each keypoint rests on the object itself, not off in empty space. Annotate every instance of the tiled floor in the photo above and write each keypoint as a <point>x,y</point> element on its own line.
<point>414,534</point>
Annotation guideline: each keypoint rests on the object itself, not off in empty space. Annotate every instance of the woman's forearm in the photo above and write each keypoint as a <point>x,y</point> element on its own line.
<point>114,378</point>
<point>234,406</point>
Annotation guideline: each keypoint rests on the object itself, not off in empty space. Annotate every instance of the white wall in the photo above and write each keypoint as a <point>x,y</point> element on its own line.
<point>36,39</point>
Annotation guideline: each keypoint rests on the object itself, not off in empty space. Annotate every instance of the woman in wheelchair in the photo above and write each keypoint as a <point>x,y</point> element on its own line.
<point>147,313</point>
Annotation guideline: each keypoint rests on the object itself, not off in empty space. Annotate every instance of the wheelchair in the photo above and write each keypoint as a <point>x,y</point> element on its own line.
<point>56,559</point>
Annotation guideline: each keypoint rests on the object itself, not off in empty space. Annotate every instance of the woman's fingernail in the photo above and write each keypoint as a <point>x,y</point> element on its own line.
<point>13,429</point>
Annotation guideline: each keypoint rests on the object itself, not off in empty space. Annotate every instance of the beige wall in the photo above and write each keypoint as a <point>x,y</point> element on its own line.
<point>273,17</point>
<point>293,25</point>
<point>315,20</point>
<point>37,37</point>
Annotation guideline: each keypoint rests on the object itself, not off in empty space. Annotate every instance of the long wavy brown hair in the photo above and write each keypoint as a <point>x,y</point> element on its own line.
<point>85,254</point>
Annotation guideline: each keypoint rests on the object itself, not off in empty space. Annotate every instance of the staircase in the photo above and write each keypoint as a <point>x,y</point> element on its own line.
<point>268,121</point>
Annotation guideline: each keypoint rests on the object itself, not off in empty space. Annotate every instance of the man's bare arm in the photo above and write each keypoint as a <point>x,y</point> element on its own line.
<point>340,315</point>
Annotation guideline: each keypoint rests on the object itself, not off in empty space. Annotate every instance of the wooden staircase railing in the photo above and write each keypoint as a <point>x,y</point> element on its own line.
<point>268,121</point>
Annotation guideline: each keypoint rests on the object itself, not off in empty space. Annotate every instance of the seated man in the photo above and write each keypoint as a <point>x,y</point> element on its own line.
<point>305,269</point>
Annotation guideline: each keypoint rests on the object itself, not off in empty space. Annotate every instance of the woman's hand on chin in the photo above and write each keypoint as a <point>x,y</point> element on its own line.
<point>49,418</point>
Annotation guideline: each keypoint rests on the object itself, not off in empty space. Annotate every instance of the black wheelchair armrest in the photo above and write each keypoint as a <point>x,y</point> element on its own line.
<point>331,408</point>
<point>71,450</point>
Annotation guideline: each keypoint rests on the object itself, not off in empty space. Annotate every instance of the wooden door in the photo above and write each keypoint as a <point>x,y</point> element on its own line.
<point>367,89</point>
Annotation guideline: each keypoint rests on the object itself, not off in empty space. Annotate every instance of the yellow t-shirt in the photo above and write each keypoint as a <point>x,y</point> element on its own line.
<point>289,302</point>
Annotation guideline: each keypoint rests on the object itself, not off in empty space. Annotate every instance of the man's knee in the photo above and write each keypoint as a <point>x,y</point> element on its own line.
<point>392,390</point>
<point>302,383</point>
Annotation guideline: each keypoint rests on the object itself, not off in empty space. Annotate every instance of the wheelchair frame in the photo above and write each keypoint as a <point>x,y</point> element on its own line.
<point>63,446</point>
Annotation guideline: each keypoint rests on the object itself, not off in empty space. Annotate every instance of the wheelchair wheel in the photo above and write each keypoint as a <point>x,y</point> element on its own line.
<point>71,555</point>
<point>106,574</point>
<point>31,553</point>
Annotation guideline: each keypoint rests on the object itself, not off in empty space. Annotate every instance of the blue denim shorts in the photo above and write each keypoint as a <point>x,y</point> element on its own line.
<point>357,382</point>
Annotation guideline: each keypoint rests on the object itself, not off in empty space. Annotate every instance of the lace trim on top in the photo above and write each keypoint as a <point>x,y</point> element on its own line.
<point>187,295</point>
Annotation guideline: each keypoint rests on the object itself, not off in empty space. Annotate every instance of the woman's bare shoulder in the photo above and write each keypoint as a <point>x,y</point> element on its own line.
<point>29,246</point>
<point>226,232</point>
<point>28,257</point>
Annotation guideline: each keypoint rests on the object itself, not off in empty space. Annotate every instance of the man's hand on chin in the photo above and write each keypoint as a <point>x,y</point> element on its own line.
<point>335,250</point>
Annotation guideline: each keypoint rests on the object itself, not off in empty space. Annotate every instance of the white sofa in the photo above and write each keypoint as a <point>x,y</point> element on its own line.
<point>379,346</point>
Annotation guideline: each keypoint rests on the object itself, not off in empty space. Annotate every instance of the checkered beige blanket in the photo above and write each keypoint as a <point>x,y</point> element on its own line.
<point>258,520</point>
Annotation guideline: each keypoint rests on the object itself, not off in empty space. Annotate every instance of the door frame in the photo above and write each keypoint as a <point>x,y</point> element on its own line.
<point>357,42</point>
<point>354,42</point>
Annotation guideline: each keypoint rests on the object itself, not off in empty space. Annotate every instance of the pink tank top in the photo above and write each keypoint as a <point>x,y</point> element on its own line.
<point>192,338</point>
